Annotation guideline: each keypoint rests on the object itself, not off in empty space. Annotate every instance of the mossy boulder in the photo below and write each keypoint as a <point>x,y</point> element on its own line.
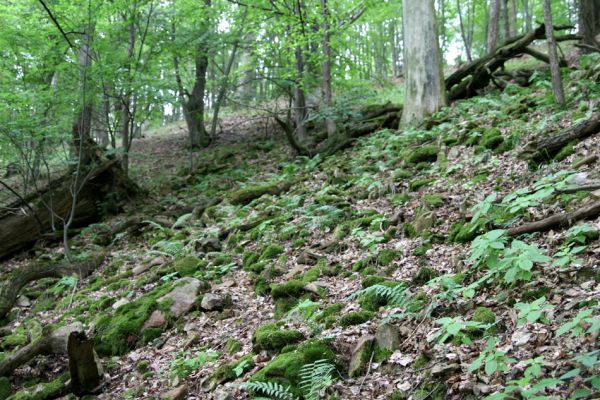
<point>420,183</point>
<point>484,315</point>
<point>5,388</point>
<point>14,340</point>
<point>270,252</point>
<point>361,356</point>
<point>492,138</point>
<point>433,200</point>
<point>43,391</point>
<point>422,154</point>
<point>187,266</point>
<point>287,295</point>
<point>356,318</point>
<point>246,195</point>
<point>386,256</point>
<point>229,372</point>
<point>285,368</point>
<point>273,338</point>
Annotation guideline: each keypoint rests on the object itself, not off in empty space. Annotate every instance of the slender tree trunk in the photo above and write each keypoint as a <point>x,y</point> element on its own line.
<point>493,22</point>
<point>557,86</point>
<point>505,20</point>
<point>327,95</point>
<point>528,16</point>
<point>589,22</point>
<point>82,124</point>
<point>463,33</point>
<point>126,114</point>
<point>513,18</point>
<point>425,90</point>
<point>299,97</point>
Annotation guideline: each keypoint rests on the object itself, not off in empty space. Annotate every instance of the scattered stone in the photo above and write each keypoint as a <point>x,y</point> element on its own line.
<point>213,302</point>
<point>424,222</point>
<point>208,245</point>
<point>520,338</point>
<point>179,393</point>
<point>596,194</point>
<point>387,337</point>
<point>183,295</point>
<point>307,258</point>
<point>23,302</point>
<point>222,395</point>
<point>440,370</point>
<point>297,270</point>
<point>361,356</point>
<point>454,153</point>
<point>314,287</point>
<point>156,320</point>
<point>140,269</point>
<point>119,303</point>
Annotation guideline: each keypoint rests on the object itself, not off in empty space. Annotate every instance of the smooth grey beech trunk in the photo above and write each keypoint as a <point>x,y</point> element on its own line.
<point>557,86</point>
<point>424,86</point>
<point>493,24</point>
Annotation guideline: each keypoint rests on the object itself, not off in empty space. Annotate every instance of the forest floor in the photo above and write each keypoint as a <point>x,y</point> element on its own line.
<point>367,259</point>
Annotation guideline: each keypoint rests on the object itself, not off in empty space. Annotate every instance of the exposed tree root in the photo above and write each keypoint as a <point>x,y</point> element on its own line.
<point>545,149</point>
<point>17,279</point>
<point>557,221</point>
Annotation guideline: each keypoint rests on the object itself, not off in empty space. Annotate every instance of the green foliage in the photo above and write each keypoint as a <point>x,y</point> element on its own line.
<point>532,312</point>
<point>455,328</point>
<point>387,293</point>
<point>184,364</point>
<point>491,359</point>
<point>584,323</point>
<point>315,378</point>
<point>271,389</point>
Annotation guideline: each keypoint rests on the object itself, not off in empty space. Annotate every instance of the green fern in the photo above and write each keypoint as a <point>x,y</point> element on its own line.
<point>395,295</point>
<point>315,378</point>
<point>271,389</point>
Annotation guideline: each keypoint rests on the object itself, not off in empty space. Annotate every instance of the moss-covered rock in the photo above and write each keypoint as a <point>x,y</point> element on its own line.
<point>386,256</point>
<point>272,338</point>
<point>484,315</point>
<point>421,249</point>
<point>230,372</point>
<point>491,139</point>
<point>233,346</point>
<point>285,368</point>
<point>356,318</point>
<point>43,391</point>
<point>423,154</point>
<point>565,152</point>
<point>14,340</point>
<point>461,232</point>
<point>5,389</point>
<point>270,252</point>
<point>187,266</point>
<point>246,195</point>
<point>433,200</point>
<point>419,183</point>
<point>361,356</point>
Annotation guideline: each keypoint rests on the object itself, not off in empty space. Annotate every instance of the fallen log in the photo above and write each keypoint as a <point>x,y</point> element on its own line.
<point>545,149</point>
<point>583,188</point>
<point>18,278</point>
<point>557,221</point>
<point>50,342</point>
<point>478,74</point>
<point>103,188</point>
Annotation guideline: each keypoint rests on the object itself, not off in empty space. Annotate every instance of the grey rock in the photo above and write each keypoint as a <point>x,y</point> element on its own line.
<point>213,302</point>
<point>179,393</point>
<point>208,245</point>
<point>440,370</point>
<point>361,356</point>
<point>388,337</point>
<point>183,295</point>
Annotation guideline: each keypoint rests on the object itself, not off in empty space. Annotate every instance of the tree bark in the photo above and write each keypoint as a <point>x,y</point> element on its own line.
<point>327,94</point>
<point>589,22</point>
<point>493,23</point>
<point>424,93</point>
<point>85,377</point>
<point>557,85</point>
<point>193,108</point>
<point>463,33</point>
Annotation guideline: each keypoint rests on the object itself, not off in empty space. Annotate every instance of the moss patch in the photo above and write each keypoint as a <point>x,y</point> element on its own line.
<point>419,183</point>
<point>285,368</point>
<point>356,318</point>
<point>423,154</point>
<point>270,252</point>
<point>5,389</point>
<point>187,266</point>
<point>272,338</point>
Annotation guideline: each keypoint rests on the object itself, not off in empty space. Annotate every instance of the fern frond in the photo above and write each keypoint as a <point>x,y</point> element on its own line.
<point>271,389</point>
<point>315,377</point>
<point>396,295</point>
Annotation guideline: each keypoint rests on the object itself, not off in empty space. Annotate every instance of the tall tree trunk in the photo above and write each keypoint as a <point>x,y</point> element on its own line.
<point>557,86</point>
<point>246,89</point>
<point>589,22</point>
<point>299,97</point>
<point>126,114</point>
<point>528,16</point>
<point>493,23</point>
<point>425,90</point>
<point>505,20</point>
<point>513,18</point>
<point>327,94</point>
<point>193,108</point>
<point>463,33</point>
<point>83,122</point>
